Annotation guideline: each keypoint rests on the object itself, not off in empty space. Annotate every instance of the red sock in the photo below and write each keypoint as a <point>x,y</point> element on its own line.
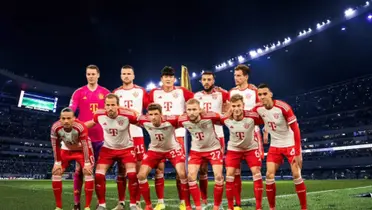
<point>271,192</point>
<point>159,186</point>
<point>203,183</point>
<point>195,193</point>
<point>238,189</point>
<point>138,197</point>
<point>133,186</point>
<point>230,192</point>
<point>78,184</point>
<point>301,192</point>
<point>185,192</point>
<point>145,191</point>
<point>101,188</point>
<point>179,190</point>
<point>218,193</point>
<point>89,187</point>
<point>57,190</point>
<point>258,190</point>
<point>121,183</point>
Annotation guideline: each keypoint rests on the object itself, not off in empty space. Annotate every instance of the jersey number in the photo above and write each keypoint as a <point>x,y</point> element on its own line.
<point>175,153</point>
<point>215,155</point>
<point>113,131</point>
<point>140,149</point>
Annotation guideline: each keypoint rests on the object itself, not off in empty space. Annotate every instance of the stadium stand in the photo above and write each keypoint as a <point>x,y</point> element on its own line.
<point>336,125</point>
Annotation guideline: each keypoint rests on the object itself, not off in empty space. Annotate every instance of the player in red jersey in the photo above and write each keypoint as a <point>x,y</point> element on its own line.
<point>205,145</point>
<point>172,99</point>
<point>213,99</point>
<point>70,142</point>
<point>249,93</point>
<point>87,100</point>
<point>163,145</point>
<point>136,98</point>
<point>282,125</point>
<point>117,146</point>
<point>242,145</point>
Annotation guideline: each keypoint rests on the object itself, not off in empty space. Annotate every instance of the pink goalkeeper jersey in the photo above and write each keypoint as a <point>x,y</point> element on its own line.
<point>88,102</point>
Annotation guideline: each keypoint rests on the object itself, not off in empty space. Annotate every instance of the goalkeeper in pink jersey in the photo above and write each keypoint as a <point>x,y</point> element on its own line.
<point>88,99</point>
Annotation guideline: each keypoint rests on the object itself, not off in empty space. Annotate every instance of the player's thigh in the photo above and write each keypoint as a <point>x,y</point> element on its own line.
<point>275,156</point>
<point>161,167</point>
<point>128,159</point>
<point>233,159</point>
<point>102,168</point>
<point>217,171</point>
<point>204,168</point>
<point>271,169</point>
<point>107,156</point>
<point>230,171</point>
<point>144,172</point>
<point>181,170</point>
<point>296,170</point>
<point>192,171</point>
<point>253,158</point>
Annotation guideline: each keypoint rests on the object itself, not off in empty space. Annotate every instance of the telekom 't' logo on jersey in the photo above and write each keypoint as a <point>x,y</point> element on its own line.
<point>128,103</point>
<point>167,105</point>
<point>272,125</point>
<point>113,131</point>
<point>93,107</point>
<point>199,135</point>
<point>159,136</point>
<point>239,135</point>
<point>207,106</point>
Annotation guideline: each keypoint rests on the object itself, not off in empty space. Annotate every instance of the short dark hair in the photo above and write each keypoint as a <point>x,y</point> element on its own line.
<point>67,109</point>
<point>209,73</point>
<point>236,97</point>
<point>154,106</point>
<point>244,68</point>
<point>113,95</point>
<point>91,66</point>
<point>168,71</point>
<point>127,67</point>
<point>263,85</point>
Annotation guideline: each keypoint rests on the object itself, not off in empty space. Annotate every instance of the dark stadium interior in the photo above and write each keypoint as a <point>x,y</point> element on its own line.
<point>326,79</point>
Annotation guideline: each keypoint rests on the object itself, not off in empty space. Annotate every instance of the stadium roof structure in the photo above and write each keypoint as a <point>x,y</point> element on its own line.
<point>25,83</point>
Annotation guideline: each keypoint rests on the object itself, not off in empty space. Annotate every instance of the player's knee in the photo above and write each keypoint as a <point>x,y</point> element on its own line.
<point>57,173</point>
<point>203,171</point>
<point>296,175</point>
<point>141,176</point>
<point>181,175</point>
<point>270,175</point>
<point>159,171</point>
<point>191,177</point>
<point>218,178</point>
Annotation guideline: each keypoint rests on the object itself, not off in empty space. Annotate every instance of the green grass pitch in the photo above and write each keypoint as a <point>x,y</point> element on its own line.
<point>322,194</point>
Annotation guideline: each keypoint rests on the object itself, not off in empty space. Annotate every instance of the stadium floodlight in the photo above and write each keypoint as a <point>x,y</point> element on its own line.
<point>150,86</point>
<point>349,12</point>
<point>328,21</point>
<point>278,44</point>
<point>230,62</point>
<point>202,72</point>
<point>175,80</point>
<point>367,4</point>
<point>273,46</point>
<point>309,30</point>
<point>241,59</point>
<point>369,17</point>
<point>160,83</point>
<point>193,74</point>
<point>259,51</point>
<point>253,53</point>
<point>343,29</point>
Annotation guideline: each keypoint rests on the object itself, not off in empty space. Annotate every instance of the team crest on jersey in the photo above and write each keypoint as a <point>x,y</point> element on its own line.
<point>204,126</point>
<point>246,125</point>
<point>85,98</point>
<point>276,115</point>
<point>175,95</point>
<point>101,96</point>
<point>214,96</point>
<point>121,122</point>
<point>248,96</point>
<point>135,94</point>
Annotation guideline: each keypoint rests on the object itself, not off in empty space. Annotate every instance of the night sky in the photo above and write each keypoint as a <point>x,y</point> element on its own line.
<point>54,42</point>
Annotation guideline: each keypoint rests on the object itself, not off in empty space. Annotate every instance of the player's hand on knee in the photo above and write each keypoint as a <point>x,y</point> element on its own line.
<point>57,170</point>
<point>88,169</point>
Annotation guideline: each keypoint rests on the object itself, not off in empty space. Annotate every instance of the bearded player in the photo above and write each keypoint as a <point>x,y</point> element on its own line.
<point>172,99</point>
<point>163,145</point>
<point>213,99</point>
<point>242,145</point>
<point>87,100</point>
<point>249,93</point>
<point>70,142</point>
<point>205,146</point>
<point>118,146</point>
<point>136,98</point>
<point>282,125</point>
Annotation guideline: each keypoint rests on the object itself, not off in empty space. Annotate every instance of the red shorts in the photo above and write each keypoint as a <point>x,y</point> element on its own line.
<point>152,158</point>
<point>108,156</point>
<point>139,145</point>
<point>233,158</point>
<point>213,157</point>
<point>222,142</point>
<point>276,154</point>
<point>69,155</point>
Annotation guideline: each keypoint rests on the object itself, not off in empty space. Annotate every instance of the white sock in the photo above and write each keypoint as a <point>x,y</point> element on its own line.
<point>103,205</point>
<point>160,200</point>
